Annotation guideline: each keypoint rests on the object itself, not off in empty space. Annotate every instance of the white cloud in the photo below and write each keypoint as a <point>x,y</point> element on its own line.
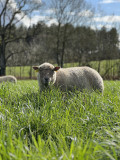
<point>107,19</point>
<point>34,20</point>
<point>100,21</point>
<point>52,21</point>
<point>13,4</point>
<point>24,19</point>
<point>27,21</point>
<point>86,13</point>
<point>99,26</point>
<point>49,11</point>
<point>37,1</point>
<point>109,1</point>
<point>104,20</point>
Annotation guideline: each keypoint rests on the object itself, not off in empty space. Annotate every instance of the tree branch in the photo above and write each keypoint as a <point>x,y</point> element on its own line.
<point>15,39</point>
<point>4,8</point>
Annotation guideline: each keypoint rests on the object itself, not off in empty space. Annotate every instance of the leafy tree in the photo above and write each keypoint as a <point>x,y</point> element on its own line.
<point>67,12</point>
<point>11,13</point>
<point>84,44</point>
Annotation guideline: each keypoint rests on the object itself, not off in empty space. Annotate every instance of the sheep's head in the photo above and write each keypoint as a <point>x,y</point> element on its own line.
<point>47,73</point>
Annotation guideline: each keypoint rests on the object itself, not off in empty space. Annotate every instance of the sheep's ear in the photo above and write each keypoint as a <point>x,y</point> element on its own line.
<point>36,68</point>
<point>56,68</point>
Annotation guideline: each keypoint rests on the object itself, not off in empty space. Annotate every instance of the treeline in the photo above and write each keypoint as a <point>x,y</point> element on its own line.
<point>59,45</point>
<point>69,41</point>
<point>62,45</point>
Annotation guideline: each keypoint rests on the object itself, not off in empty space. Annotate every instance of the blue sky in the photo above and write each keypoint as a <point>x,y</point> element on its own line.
<point>107,13</point>
<point>109,7</point>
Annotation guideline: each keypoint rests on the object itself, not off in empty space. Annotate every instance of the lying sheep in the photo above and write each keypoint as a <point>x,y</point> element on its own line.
<point>69,78</point>
<point>8,79</point>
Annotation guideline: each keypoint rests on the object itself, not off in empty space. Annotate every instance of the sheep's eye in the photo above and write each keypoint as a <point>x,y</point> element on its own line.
<point>40,69</point>
<point>48,70</point>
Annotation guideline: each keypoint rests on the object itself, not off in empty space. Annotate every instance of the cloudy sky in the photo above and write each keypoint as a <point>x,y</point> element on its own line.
<point>107,13</point>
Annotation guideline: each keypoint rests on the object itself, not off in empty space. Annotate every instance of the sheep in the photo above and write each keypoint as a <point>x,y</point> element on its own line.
<point>8,78</point>
<point>79,78</point>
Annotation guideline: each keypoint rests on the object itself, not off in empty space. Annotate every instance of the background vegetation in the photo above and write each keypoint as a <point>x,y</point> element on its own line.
<point>55,125</point>
<point>97,49</point>
<point>69,40</point>
<point>108,69</point>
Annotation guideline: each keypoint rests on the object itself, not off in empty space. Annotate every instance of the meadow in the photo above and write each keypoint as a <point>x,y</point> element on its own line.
<point>109,69</point>
<point>59,125</point>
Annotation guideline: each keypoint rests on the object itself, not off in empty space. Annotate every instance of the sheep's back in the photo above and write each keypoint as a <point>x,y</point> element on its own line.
<point>8,78</point>
<point>94,78</point>
<point>70,78</point>
<point>79,77</point>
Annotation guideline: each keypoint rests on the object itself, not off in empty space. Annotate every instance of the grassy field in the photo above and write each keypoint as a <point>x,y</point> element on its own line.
<point>27,71</point>
<point>59,126</point>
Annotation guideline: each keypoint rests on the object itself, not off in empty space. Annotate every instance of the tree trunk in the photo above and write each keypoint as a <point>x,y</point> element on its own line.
<point>58,58</point>
<point>30,72</point>
<point>99,66</point>
<point>62,55</point>
<point>58,45</point>
<point>2,59</point>
<point>20,72</point>
<point>118,69</point>
<point>57,53</point>
<point>63,46</point>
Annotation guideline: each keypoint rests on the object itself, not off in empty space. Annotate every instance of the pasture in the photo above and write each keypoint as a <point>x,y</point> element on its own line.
<point>108,69</point>
<point>60,126</point>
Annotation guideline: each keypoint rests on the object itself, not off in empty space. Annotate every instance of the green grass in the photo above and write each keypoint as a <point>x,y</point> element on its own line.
<point>25,71</point>
<point>111,66</point>
<point>20,72</point>
<point>61,126</point>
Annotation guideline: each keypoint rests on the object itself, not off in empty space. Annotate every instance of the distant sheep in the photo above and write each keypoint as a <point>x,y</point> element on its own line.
<point>69,78</point>
<point>8,79</point>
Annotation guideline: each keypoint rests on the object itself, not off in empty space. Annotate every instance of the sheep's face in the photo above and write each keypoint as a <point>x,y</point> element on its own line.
<point>47,74</point>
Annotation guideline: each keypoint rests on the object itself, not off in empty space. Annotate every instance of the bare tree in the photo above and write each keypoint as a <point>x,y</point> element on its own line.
<point>66,12</point>
<point>12,12</point>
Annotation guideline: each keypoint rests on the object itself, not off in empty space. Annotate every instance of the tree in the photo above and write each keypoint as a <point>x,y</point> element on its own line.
<point>85,44</point>
<point>11,13</point>
<point>113,43</point>
<point>67,12</point>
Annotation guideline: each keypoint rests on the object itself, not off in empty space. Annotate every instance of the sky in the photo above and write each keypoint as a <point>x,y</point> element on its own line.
<point>106,13</point>
<point>109,7</point>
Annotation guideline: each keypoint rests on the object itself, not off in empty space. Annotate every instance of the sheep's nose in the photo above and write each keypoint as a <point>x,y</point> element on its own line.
<point>46,79</point>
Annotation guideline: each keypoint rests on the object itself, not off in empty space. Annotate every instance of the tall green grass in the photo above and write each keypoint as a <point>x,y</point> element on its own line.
<point>111,66</point>
<point>57,125</point>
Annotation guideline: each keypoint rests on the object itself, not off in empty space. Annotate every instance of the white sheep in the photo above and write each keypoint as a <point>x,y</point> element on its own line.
<point>8,78</point>
<point>69,78</point>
